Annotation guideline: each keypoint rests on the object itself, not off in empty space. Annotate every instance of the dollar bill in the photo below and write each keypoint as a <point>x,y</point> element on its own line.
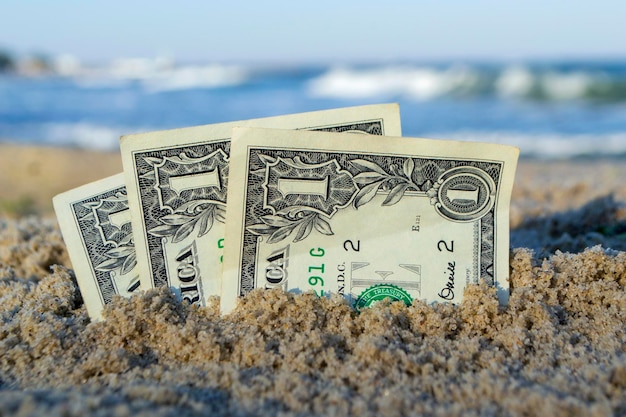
<point>177,184</point>
<point>96,228</point>
<point>366,218</point>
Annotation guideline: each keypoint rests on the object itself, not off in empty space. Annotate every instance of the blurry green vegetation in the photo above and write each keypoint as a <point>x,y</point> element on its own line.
<point>608,91</point>
<point>39,62</point>
<point>20,207</point>
<point>34,64</point>
<point>6,61</point>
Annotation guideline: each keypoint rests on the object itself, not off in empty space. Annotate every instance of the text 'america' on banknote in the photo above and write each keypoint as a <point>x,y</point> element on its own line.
<point>177,185</point>
<point>96,228</point>
<point>366,218</point>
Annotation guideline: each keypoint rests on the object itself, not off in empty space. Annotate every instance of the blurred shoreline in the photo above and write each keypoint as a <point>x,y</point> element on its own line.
<point>33,174</point>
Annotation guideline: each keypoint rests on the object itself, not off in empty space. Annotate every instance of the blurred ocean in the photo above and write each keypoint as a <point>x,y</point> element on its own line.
<point>549,109</point>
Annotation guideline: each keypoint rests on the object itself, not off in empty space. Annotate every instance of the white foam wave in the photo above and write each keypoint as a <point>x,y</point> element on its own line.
<point>518,81</point>
<point>83,135</point>
<point>566,86</point>
<point>138,68</point>
<point>66,65</point>
<point>420,83</point>
<point>426,83</point>
<point>191,77</point>
<point>541,145</point>
<point>547,145</point>
<point>160,74</point>
<point>514,81</point>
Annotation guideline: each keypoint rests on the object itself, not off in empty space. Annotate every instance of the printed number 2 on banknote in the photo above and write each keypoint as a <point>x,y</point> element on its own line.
<point>95,223</point>
<point>177,185</point>
<point>404,217</point>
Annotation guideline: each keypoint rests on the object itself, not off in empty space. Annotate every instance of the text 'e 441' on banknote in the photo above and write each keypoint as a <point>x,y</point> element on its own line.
<point>366,217</point>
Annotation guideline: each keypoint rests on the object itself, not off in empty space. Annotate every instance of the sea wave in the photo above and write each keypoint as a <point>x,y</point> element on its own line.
<point>156,76</point>
<point>512,81</point>
<point>586,81</point>
<point>81,135</point>
<point>415,82</point>
<point>547,145</point>
<point>84,135</point>
<point>196,77</point>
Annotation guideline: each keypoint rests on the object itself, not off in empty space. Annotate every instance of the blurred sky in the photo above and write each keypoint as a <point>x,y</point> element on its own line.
<point>315,31</point>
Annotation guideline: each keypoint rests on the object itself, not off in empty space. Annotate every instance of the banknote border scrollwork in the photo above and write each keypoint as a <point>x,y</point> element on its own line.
<point>107,257</point>
<point>160,222</point>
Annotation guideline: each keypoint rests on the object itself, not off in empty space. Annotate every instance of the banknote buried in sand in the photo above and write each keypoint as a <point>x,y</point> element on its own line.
<point>95,222</point>
<point>171,175</point>
<point>365,216</point>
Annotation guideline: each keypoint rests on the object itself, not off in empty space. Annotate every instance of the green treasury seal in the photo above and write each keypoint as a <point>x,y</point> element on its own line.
<point>379,292</point>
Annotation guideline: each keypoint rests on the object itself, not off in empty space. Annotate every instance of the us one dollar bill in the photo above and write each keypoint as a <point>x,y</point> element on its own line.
<point>368,218</point>
<point>177,185</point>
<point>95,223</point>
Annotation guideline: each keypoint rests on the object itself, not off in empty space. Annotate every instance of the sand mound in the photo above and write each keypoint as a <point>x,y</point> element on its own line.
<point>601,221</point>
<point>557,349</point>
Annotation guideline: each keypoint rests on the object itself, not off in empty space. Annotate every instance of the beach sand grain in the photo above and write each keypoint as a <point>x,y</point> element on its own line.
<point>557,349</point>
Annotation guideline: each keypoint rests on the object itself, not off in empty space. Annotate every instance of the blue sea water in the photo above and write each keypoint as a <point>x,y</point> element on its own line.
<point>548,109</point>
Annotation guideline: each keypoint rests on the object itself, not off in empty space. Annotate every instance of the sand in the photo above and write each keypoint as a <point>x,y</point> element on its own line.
<point>558,349</point>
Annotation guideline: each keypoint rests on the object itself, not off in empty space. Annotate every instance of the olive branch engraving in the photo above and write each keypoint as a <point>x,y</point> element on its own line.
<point>374,177</point>
<point>122,257</point>
<point>200,214</point>
<point>278,227</point>
<point>371,178</point>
